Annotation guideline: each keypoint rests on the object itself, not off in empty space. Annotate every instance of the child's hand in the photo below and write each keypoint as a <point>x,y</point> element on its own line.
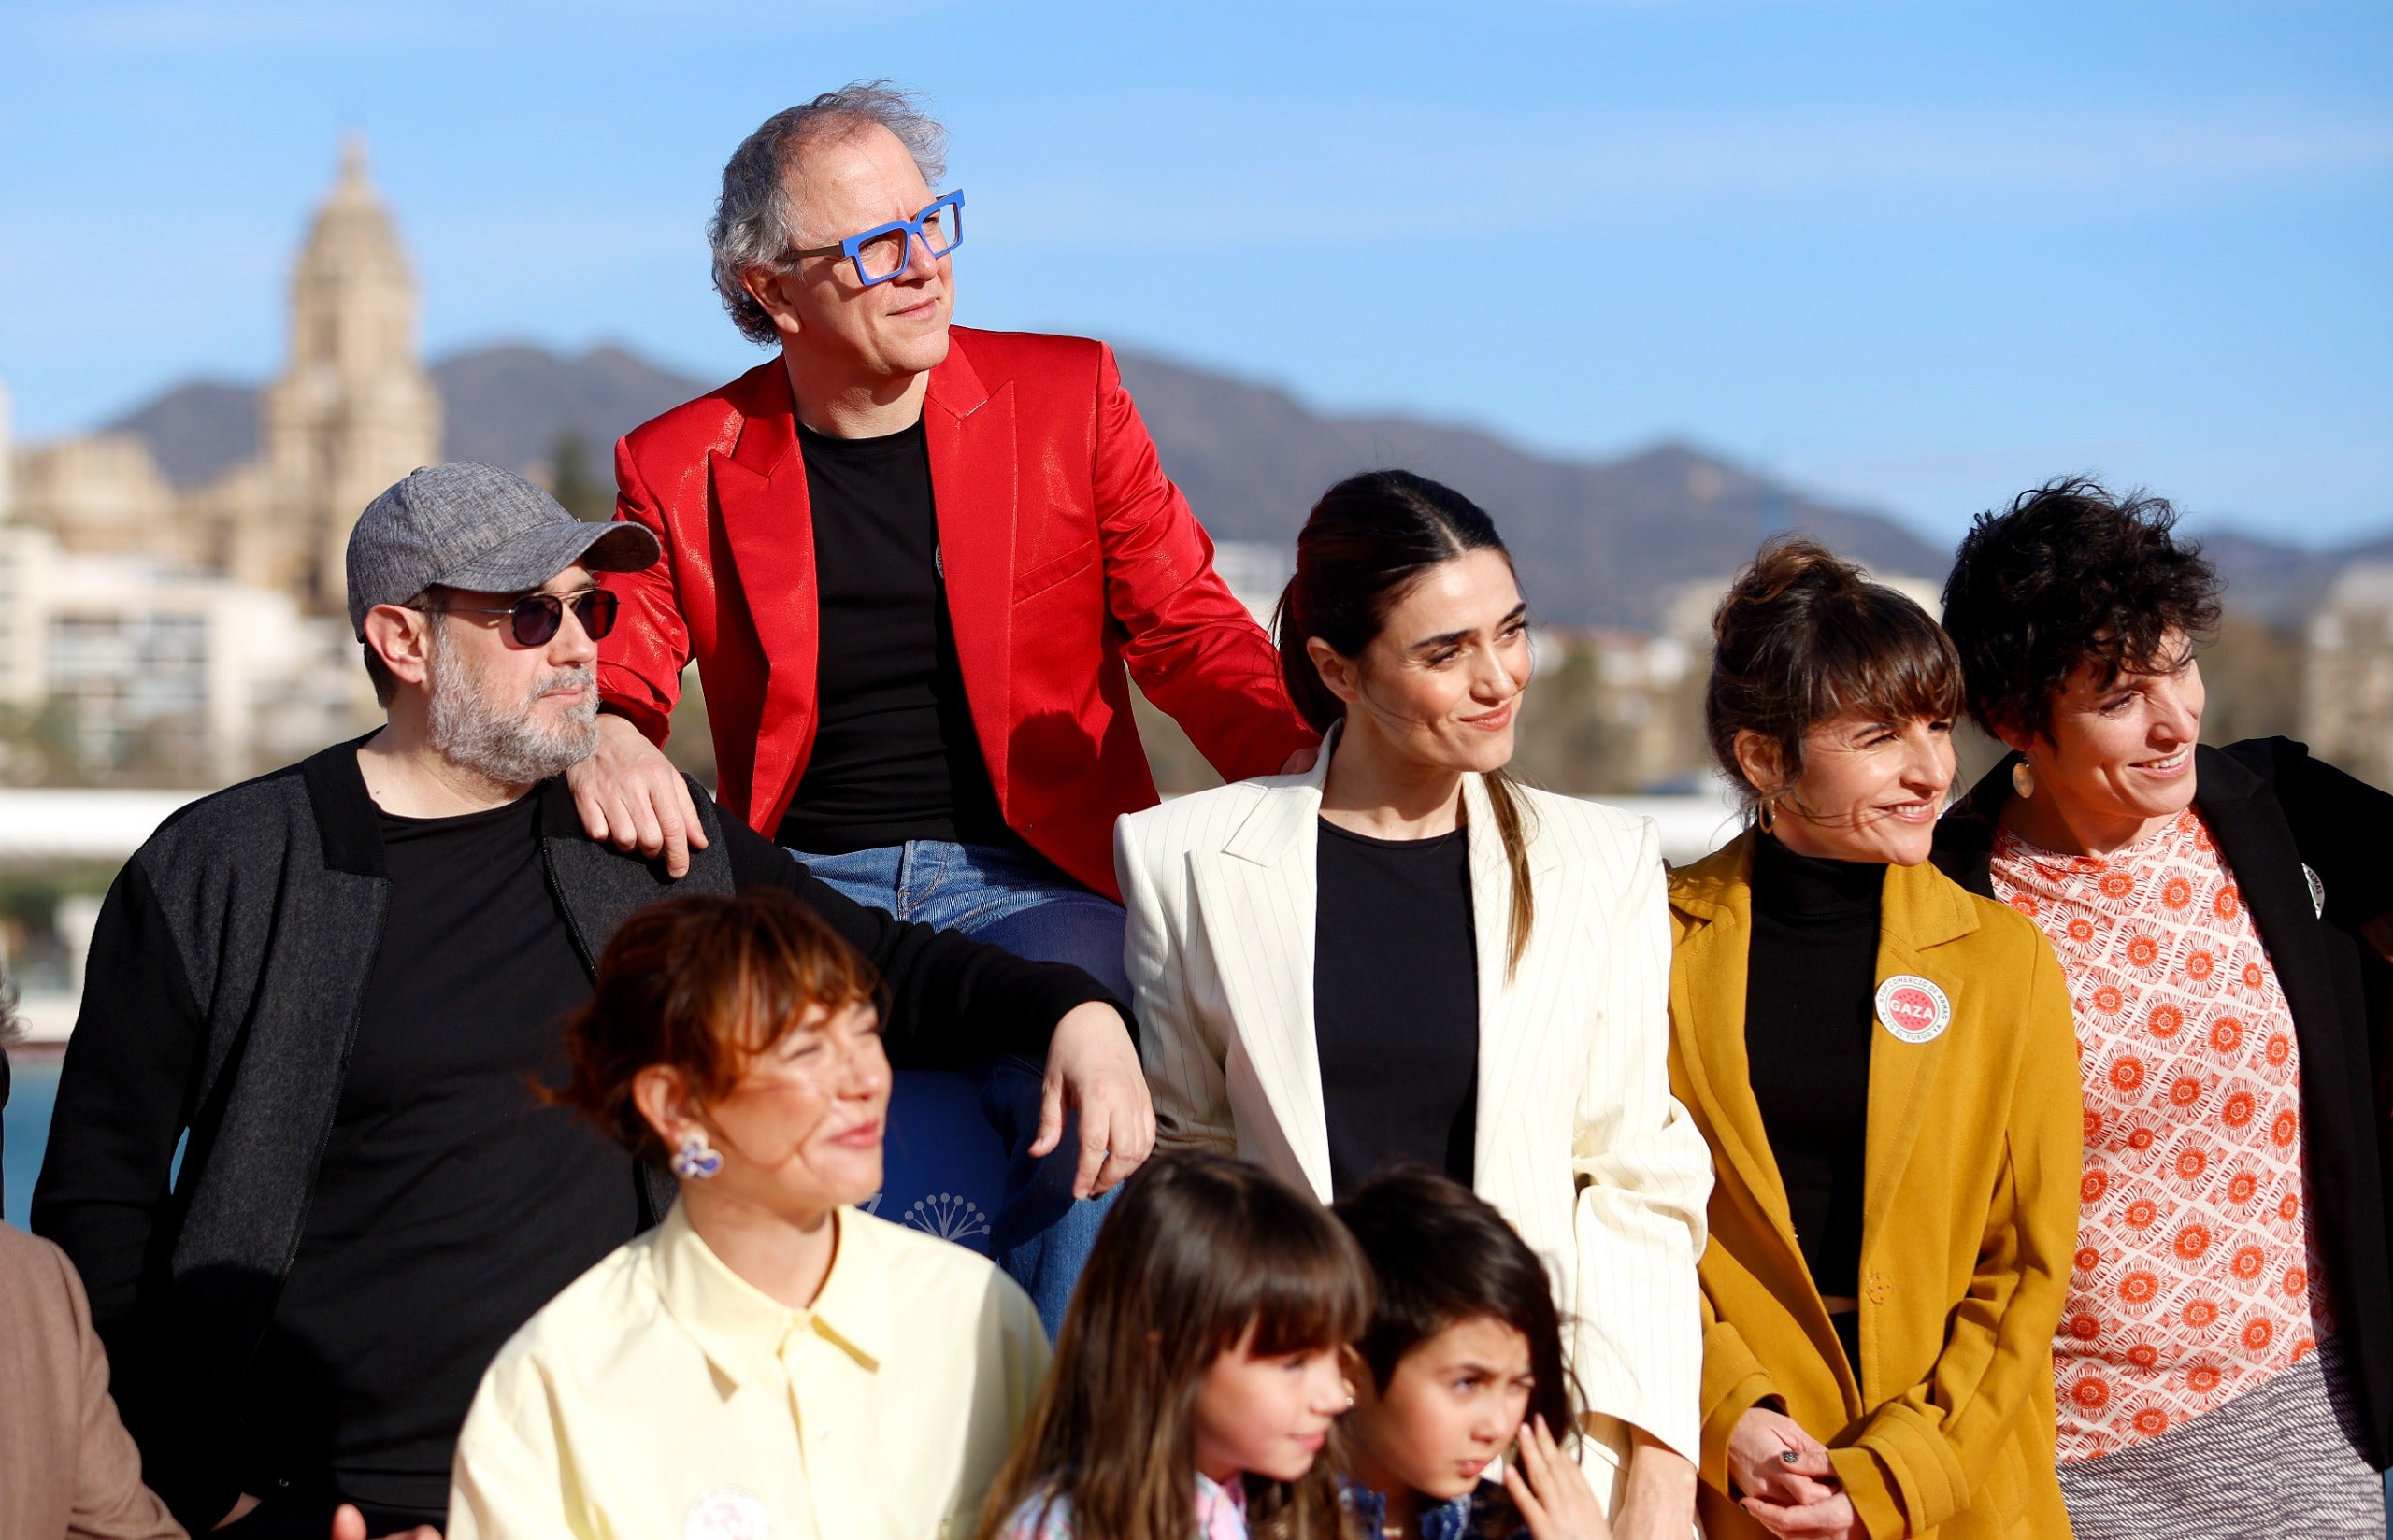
<point>1551,1492</point>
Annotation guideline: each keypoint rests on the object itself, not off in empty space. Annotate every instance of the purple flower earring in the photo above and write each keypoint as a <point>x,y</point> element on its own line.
<point>695,1161</point>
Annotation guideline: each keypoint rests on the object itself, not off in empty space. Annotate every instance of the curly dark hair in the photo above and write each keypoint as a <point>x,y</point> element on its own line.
<point>2070,573</point>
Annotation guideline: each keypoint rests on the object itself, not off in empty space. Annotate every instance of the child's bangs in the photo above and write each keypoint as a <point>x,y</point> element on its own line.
<point>1305,1298</point>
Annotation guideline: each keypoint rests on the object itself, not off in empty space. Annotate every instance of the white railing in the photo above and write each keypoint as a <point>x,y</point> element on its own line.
<point>55,824</point>
<point>46,824</point>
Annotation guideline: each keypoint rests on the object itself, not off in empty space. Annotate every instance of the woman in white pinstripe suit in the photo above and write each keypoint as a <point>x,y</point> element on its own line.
<point>1403,954</point>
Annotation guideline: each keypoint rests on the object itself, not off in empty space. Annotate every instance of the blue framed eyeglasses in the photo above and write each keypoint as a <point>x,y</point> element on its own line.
<point>882,253</point>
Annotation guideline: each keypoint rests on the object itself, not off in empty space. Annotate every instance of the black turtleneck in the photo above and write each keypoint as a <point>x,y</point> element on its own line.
<point>1811,983</point>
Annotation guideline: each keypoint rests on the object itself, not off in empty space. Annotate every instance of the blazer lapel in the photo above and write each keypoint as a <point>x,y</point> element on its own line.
<point>970,435</point>
<point>1920,911</point>
<point>1491,924</point>
<point>1257,898</point>
<point>2262,857</point>
<point>760,487</point>
<point>1708,984</point>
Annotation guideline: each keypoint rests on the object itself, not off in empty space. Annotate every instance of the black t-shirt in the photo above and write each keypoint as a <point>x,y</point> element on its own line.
<point>1812,971</point>
<point>1396,1004</point>
<point>894,756</point>
<point>451,1204</point>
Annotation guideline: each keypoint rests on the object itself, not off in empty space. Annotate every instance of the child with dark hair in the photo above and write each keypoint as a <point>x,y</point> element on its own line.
<point>1463,1358</point>
<point>1200,1371</point>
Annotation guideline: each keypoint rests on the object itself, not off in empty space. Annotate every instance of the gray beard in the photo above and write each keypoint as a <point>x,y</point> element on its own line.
<point>503,743</point>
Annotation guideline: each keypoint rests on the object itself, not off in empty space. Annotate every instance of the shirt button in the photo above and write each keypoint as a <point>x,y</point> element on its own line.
<point>1878,1289</point>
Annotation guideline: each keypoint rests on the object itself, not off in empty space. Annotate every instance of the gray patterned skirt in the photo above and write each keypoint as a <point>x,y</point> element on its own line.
<point>2282,1459</point>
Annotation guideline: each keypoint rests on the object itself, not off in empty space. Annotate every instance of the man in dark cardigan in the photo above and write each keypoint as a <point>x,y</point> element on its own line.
<point>329,993</point>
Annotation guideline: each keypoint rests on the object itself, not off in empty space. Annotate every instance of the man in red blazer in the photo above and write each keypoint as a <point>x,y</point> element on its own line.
<point>912,563</point>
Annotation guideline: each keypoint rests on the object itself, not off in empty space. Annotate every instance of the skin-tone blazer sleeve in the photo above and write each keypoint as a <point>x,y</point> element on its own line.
<point>1915,1460</point>
<point>1183,1056</point>
<point>68,1467</point>
<point>1643,1174</point>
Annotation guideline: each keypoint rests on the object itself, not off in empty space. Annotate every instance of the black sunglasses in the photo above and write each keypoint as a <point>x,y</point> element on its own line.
<point>535,617</point>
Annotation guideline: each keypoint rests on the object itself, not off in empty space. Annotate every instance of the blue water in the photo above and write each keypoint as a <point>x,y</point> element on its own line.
<point>34,1088</point>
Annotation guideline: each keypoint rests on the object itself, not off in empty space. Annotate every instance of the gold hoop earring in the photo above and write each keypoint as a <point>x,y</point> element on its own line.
<point>2023,780</point>
<point>1766,815</point>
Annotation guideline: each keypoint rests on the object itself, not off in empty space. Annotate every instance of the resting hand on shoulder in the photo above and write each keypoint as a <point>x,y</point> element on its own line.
<point>1093,1068</point>
<point>630,796</point>
<point>1551,1492</point>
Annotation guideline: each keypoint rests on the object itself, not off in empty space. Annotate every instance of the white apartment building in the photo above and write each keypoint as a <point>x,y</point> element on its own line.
<point>167,670</point>
<point>2347,673</point>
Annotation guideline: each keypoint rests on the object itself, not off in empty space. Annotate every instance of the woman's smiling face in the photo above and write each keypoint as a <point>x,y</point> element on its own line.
<point>2122,748</point>
<point>1440,684</point>
<point>1870,789</point>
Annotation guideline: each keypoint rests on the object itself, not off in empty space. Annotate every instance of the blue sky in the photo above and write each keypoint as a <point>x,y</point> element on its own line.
<point>1913,255</point>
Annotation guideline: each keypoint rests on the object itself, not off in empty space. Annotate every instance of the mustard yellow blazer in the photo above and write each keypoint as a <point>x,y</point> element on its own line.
<point>1968,1222</point>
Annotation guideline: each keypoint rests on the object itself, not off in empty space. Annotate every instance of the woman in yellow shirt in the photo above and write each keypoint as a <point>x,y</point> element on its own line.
<point>769,1360</point>
<point>1883,1066</point>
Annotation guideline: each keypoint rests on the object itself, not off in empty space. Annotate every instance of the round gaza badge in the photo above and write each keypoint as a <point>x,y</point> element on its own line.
<point>726,1513</point>
<point>1913,1009</point>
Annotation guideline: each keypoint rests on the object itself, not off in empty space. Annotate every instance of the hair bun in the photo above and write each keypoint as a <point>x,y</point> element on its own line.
<point>1788,569</point>
<point>1803,635</point>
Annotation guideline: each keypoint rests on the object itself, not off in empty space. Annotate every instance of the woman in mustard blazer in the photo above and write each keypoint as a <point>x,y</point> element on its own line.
<point>1885,1068</point>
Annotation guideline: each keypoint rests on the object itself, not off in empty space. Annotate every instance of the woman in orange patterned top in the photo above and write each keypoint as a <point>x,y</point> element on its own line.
<point>2225,1364</point>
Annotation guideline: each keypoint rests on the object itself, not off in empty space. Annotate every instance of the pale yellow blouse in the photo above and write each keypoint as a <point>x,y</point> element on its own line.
<point>662,1396</point>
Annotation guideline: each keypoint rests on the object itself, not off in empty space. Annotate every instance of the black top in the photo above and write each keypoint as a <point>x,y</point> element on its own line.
<point>2312,850</point>
<point>1396,1004</point>
<point>894,756</point>
<point>1811,992</point>
<point>451,1204</point>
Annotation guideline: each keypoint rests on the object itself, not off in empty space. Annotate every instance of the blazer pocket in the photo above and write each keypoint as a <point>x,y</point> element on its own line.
<point>1047,574</point>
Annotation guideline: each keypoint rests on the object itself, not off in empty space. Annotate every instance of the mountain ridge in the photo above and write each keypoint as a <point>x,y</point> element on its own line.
<point>1600,542</point>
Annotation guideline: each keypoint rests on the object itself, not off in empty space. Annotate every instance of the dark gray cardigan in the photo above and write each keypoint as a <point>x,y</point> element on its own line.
<point>222,997</point>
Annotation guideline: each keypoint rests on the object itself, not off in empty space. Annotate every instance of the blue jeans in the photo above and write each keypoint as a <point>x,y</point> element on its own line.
<point>1008,896</point>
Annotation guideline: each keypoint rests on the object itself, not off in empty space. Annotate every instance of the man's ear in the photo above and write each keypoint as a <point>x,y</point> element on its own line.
<point>403,639</point>
<point>773,289</point>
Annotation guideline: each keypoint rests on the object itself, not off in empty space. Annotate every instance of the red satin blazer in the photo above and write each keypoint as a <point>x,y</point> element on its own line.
<point>1068,554</point>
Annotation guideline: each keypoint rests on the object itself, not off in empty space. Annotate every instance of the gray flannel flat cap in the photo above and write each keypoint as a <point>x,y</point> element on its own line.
<point>471,526</point>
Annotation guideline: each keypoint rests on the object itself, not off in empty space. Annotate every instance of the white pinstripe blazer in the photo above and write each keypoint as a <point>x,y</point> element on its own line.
<point>1579,1143</point>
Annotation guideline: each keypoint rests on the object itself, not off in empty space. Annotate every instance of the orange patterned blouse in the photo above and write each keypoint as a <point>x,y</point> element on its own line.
<point>2193,1268</point>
